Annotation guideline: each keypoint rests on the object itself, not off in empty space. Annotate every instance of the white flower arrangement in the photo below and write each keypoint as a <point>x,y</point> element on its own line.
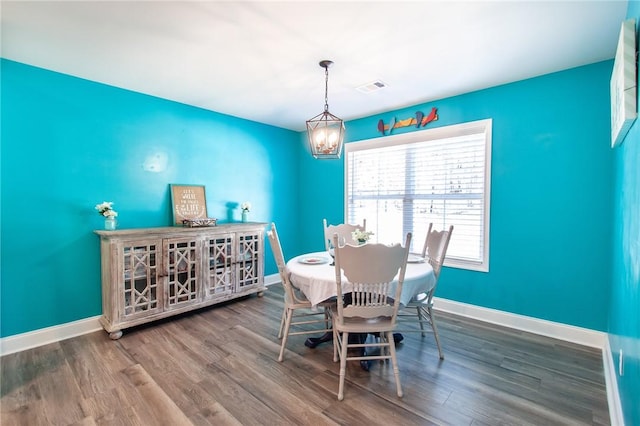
<point>361,236</point>
<point>246,206</point>
<point>106,209</point>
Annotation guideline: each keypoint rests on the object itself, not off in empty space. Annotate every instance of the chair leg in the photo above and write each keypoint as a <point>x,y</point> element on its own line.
<point>287,324</point>
<point>336,344</point>
<point>435,332</point>
<point>327,318</point>
<point>379,338</point>
<point>284,314</point>
<point>394,362</point>
<point>382,338</point>
<point>343,364</point>
<point>420,319</point>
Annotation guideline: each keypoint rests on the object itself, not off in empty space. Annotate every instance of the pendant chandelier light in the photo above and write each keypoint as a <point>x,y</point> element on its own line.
<point>325,130</point>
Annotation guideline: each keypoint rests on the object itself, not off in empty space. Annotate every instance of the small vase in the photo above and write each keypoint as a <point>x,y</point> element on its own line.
<point>245,216</point>
<point>110,223</point>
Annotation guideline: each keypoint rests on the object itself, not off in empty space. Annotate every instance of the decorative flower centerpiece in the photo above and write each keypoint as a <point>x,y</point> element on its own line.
<point>361,236</point>
<point>106,209</point>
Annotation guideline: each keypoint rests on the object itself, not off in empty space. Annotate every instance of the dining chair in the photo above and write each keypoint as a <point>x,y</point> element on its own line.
<point>298,311</point>
<point>366,308</point>
<point>434,251</point>
<point>344,231</point>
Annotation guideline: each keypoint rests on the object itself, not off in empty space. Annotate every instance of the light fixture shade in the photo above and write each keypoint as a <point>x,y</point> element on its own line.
<point>325,131</point>
<point>326,135</point>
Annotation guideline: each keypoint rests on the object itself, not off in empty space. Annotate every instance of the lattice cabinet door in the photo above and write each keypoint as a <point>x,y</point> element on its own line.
<point>220,265</point>
<point>141,292</point>
<point>250,246</point>
<point>182,260</point>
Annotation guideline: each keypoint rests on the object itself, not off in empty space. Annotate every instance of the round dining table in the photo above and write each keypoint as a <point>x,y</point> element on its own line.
<point>315,276</point>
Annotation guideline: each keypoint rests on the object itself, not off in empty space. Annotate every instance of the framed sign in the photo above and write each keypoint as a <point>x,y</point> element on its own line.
<point>188,202</point>
<point>623,84</point>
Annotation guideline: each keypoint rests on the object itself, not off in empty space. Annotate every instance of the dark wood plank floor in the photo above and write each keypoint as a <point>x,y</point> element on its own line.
<point>219,366</point>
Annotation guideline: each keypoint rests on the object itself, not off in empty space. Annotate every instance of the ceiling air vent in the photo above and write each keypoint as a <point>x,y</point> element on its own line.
<point>374,86</point>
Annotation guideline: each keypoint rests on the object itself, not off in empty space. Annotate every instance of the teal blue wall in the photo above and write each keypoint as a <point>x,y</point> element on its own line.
<point>68,144</point>
<point>551,195</point>
<point>624,310</point>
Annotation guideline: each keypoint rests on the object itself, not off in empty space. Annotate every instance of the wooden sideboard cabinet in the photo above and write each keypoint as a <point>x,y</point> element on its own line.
<point>154,273</point>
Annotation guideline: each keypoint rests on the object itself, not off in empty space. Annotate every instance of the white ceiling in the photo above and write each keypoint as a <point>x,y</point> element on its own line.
<point>259,60</point>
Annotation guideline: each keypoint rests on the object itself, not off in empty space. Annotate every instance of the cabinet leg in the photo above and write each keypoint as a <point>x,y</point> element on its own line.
<point>115,335</point>
<point>260,293</point>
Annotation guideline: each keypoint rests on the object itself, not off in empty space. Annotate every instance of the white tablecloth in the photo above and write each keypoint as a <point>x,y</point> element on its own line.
<point>318,281</point>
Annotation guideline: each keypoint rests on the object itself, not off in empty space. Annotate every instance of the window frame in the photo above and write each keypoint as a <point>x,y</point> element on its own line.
<point>475,127</point>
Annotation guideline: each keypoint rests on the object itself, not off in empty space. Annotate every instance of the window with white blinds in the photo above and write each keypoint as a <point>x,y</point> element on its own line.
<point>401,183</point>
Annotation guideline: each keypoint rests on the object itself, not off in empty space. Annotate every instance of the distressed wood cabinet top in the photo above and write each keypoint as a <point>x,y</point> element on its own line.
<point>170,231</point>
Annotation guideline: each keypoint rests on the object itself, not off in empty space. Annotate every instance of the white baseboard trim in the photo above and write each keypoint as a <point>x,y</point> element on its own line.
<point>272,279</point>
<point>611,380</point>
<point>568,333</point>
<point>44,336</point>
